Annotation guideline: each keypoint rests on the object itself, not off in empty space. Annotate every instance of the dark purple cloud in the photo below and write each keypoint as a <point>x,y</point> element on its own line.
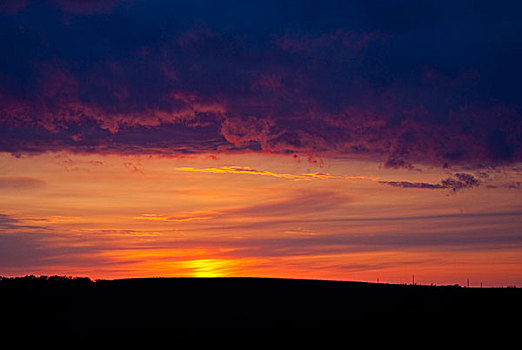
<point>456,183</point>
<point>8,224</point>
<point>407,184</point>
<point>404,82</point>
<point>460,181</point>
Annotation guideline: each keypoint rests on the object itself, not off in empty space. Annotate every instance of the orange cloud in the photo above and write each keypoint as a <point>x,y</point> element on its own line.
<point>20,182</point>
<point>189,216</point>
<point>370,178</point>
<point>51,219</point>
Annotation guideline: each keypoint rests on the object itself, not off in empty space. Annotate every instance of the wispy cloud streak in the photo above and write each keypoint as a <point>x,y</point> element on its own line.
<point>250,171</point>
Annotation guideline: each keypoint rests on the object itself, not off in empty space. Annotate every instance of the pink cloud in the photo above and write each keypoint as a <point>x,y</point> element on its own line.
<point>351,40</point>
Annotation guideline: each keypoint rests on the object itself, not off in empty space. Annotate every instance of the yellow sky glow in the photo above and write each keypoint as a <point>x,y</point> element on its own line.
<point>200,216</point>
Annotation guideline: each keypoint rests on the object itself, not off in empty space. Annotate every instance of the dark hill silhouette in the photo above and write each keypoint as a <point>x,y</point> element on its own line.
<point>255,312</point>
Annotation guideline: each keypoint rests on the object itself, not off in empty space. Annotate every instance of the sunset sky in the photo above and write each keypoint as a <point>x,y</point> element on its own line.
<point>345,140</point>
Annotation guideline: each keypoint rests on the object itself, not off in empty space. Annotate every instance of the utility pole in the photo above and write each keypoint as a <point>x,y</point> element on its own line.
<point>413,279</point>
<point>467,283</point>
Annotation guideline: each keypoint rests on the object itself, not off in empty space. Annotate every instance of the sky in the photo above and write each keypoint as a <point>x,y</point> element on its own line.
<point>342,140</point>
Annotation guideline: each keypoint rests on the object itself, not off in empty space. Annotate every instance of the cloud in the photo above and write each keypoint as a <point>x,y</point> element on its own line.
<point>134,167</point>
<point>459,182</point>
<point>180,217</point>
<point>6,221</point>
<point>11,224</point>
<point>250,171</point>
<point>406,184</point>
<point>515,185</point>
<point>302,204</point>
<point>27,251</point>
<point>135,77</point>
<point>310,44</point>
<point>339,244</point>
<point>20,183</point>
<point>452,232</point>
<point>241,132</point>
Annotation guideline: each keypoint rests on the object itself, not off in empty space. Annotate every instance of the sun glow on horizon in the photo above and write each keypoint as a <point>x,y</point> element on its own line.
<point>97,216</point>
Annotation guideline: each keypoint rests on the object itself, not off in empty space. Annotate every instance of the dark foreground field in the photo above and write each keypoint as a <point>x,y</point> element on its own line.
<point>251,313</point>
